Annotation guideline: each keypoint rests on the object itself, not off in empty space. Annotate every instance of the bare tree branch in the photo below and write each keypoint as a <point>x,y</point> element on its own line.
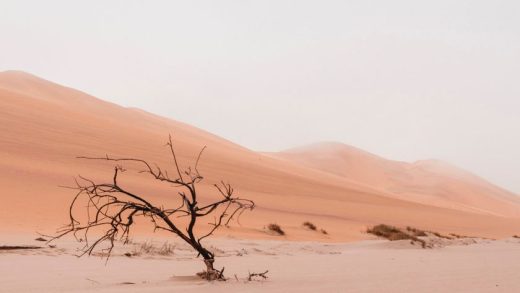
<point>262,275</point>
<point>112,209</point>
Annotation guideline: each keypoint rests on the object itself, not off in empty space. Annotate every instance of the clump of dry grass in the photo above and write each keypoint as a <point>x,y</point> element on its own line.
<point>441,236</point>
<point>453,235</point>
<point>310,225</point>
<point>148,248</point>
<point>276,229</point>
<point>313,227</point>
<point>166,249</point>
<point>389,232</point>
<point>393,233</point>
<point>144,248</point>
<point>416,232</point>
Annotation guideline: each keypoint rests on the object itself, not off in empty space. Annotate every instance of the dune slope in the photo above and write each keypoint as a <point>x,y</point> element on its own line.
<point>430,182</point>
<point>44,126</point>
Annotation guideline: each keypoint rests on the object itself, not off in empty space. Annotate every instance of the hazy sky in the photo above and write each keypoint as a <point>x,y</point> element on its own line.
<point>407,80</point>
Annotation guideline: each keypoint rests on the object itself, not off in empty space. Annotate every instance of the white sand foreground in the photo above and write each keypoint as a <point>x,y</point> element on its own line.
<point>366,266</point>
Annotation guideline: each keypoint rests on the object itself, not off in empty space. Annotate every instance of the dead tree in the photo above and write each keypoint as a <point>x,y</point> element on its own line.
<point>112,209</point>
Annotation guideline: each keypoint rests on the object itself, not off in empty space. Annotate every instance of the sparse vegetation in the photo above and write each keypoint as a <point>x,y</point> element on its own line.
<point>310,225</point>
<point>276,229</point>
<point>516,236</point>
<point>148,248</point>
<point>458,236</point>
<point>313,227</point>
<point>420,233</point>
<point>416,232</point>
<point>441,236</point>
<point>393,233</point>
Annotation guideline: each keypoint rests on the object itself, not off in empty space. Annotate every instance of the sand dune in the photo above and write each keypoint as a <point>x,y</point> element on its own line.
<point>44,126</point>
<point>430,182</point>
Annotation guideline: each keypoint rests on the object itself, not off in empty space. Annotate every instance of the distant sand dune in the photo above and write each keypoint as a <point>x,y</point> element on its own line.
<point>430,182</point>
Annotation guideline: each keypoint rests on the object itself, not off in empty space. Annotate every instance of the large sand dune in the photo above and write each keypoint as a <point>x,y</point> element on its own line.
<point>44,126</point>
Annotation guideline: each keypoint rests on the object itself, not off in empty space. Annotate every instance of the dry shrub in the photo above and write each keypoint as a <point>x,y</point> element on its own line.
<point>393,233</point>
<point>383,230</point>
<point>276,229</point>
<point>323,231</point>
<point>166,249</point>
<point>146,248</point>
<point>416,232</point>
<point>310,225</point>
<point>453,235</point>
<point>149,248</point>
<point>400,236</point>
<point>440,235</point>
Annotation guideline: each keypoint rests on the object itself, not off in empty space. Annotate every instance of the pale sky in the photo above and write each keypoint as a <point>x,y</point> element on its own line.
<point>407,80</point>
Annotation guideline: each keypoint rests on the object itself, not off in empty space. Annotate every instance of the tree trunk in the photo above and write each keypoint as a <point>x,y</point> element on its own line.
<point>211,273</point>
<point>209,264</point>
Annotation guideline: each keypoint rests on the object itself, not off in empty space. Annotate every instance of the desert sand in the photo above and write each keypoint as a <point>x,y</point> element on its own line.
<point>45,126</point>
<point>366,266</point>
